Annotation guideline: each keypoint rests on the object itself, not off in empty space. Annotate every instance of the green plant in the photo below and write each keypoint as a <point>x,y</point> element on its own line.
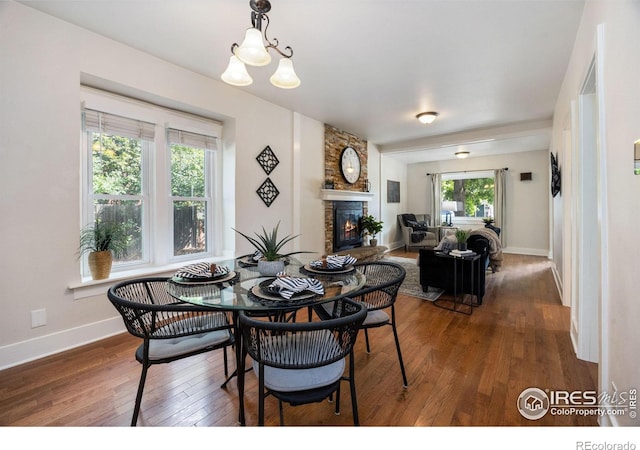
<point>104,236</point>
<point>371,226</point>
<point>488,220</point>
<point>268,243</point>
<point>462,235</point>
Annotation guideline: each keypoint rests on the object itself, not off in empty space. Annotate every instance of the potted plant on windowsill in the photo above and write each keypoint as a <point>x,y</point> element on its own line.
<point>272,260</point>
<point>371,227</point>
<point>102,241</point>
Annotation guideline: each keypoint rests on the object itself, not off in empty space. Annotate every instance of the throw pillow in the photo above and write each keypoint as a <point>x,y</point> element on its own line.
<point>447,243</point>
<point>418,226</point>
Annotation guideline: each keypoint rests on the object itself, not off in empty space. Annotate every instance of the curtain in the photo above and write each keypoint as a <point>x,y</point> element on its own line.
<point>435,198</point>
<point>500,203</point>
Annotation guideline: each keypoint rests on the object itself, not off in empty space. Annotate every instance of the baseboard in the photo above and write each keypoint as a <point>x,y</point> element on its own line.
<point>558,281</point>
<point>32,349</point>
<point>526,251</point>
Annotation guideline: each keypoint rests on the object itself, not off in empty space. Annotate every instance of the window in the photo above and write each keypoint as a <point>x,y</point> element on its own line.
<point>467,195</point>
<point>154,171</point>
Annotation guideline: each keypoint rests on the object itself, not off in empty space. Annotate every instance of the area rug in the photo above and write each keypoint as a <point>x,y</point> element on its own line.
<point>411,284</point>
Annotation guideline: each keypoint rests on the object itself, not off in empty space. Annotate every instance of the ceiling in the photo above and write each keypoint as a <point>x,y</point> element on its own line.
<point>492,69</point>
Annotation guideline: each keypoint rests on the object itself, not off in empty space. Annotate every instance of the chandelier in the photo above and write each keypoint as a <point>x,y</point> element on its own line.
<point>254,52</point>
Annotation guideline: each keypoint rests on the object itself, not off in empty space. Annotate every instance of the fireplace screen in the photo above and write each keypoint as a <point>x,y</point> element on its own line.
<point>347,217</point>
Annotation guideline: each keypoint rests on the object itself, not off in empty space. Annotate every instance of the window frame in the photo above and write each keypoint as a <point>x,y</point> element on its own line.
<point>464,175</point>
<point>157,219</point>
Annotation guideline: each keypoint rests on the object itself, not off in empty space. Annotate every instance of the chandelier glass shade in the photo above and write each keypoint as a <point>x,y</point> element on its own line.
<point>236,73</point>
<point>254,52</point>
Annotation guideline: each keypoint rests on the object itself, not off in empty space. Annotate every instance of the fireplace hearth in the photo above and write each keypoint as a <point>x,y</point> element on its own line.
<point>347,229</point>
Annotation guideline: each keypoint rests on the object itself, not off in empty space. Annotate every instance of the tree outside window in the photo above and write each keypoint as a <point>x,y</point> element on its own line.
<point>468,197</point>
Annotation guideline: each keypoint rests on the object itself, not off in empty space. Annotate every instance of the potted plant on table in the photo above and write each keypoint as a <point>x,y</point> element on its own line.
<point>102,241</point>
<point>461,237</point>
<point>371,227</point>
<point>269,246</point>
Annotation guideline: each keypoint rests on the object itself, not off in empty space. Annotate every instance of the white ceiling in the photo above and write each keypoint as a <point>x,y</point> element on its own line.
<point>492,69</point>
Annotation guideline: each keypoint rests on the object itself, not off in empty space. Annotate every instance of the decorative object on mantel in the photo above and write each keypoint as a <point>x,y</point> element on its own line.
<point>267,160</point>
<point>268,192</point>
<point>328,184</point>
<point>253,51</point>
<point>371,227</point>
<point>102,241</point>
<point>268,246</point>
<point>367,185</point>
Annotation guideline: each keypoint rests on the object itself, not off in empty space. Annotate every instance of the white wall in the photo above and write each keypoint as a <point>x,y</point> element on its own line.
<point>394,171</point>
<point>620,105</point>
<point>527,201</point>
<point>43,62</point>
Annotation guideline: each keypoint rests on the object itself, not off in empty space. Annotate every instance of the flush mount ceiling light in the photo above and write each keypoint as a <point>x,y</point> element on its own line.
<point>462,154</point>
<point>254,52</point>
<point>427,117</point>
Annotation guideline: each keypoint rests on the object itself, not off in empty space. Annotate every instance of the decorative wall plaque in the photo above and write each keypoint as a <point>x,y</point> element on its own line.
<point>268,192</point>
<point>267,160</point>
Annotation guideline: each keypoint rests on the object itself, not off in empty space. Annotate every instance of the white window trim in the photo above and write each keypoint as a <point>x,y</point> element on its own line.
<point>159,215</point>
<point>467,221</point>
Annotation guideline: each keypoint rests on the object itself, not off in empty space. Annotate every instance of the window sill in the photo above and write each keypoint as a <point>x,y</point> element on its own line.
<point>88,287</point>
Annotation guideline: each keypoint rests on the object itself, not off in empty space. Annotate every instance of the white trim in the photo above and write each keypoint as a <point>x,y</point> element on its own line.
<point>526,251</point>
<point>339,195</point>
<point>33,349</point>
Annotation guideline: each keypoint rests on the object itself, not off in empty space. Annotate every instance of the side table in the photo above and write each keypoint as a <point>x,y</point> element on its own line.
<point>458,303</point>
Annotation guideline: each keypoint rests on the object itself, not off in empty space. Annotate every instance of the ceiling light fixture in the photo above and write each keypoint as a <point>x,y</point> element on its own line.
<point>462,154</point>
<point>254,52</point>
<point>427,117</point>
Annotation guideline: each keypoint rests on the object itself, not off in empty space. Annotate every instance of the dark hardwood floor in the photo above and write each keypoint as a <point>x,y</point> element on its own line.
<point>462,370</point>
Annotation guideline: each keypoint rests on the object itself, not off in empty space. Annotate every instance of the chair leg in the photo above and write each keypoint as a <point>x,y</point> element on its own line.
<point>226,363</point>
<point>136,408</point>
<point>261,396</point>
<point>337,412</point>
<point>352,384</point>
<point>366,339</point>
<point>395,335</point>
<point>281,412</point>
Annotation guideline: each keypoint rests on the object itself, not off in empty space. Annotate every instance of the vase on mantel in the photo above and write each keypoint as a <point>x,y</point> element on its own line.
<point>373,242</point>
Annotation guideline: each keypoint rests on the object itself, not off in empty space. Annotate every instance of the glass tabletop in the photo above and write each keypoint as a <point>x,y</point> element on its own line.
<point>243,288</point>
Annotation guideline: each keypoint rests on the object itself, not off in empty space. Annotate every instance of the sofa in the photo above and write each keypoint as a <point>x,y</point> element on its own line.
<point>417,230</point>
<point>437,271</point>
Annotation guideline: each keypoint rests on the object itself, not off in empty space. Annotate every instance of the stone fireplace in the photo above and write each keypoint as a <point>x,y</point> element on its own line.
<point>337,237</point>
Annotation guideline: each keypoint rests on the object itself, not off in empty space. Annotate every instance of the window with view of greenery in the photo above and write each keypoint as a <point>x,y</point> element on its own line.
<point>157,182</point>
<point>467,196</point>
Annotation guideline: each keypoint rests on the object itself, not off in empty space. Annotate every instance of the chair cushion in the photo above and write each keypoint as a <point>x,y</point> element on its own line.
<point>168,348</point>
<point>291,380</point>
<point>376,317</point>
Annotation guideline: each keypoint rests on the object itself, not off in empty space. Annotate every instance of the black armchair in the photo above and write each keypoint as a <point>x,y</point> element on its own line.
<point>437,272</point>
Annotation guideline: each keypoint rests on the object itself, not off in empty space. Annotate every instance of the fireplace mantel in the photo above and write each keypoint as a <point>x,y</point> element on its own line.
<point>340,195</point>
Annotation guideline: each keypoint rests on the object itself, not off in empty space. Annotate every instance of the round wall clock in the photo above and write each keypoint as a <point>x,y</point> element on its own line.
<point>350,165</point>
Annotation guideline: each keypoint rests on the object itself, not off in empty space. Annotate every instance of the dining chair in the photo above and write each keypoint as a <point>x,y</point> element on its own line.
<point>304,362</point>
<point>170,329</point>
<point>379,295</point>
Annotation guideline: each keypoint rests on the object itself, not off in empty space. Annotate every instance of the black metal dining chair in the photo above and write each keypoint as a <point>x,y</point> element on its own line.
<point>378,295</point>
<point>304,362</point>
<point>170,329</point>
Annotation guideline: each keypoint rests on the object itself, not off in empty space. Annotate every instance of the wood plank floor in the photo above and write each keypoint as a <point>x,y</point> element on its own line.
<point>462,370</point>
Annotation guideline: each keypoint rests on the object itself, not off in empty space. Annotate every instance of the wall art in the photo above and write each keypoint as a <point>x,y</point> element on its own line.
<point>268,192</point>
<point>267,160</point>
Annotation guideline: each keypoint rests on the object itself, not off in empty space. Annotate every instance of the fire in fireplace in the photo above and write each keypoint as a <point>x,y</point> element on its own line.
<point>347,217</point>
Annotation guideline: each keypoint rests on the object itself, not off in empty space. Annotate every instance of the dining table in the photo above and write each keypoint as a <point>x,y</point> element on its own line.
<point>241,288</point>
